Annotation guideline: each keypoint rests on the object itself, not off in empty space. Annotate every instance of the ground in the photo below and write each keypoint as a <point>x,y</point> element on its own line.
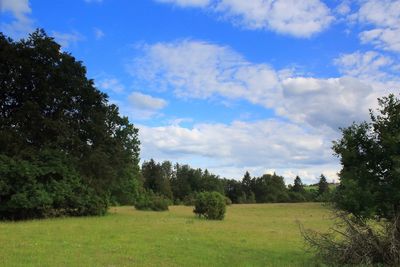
<point>250,235</point>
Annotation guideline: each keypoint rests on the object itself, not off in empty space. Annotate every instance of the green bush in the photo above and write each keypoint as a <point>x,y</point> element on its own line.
<point>228,201</point>
<point>45,187</point>
<point>211,205</point>
<point>150,201</point>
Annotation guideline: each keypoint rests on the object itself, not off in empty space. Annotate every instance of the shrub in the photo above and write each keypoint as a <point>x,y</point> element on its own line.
<point>45,188</point>
<point>150,201</point>
<point>211,205</point>
<point>228,201</point>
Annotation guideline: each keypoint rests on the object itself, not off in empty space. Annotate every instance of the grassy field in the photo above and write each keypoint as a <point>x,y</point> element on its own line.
<point>250,235</point>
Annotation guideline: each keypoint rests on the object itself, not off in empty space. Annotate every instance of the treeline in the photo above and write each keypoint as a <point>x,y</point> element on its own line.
<point>181,183</point>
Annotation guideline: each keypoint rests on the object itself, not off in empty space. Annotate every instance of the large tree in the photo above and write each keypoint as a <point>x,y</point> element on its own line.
<point>368,197</point>
<point>59,136</point>
<point>370,158</point>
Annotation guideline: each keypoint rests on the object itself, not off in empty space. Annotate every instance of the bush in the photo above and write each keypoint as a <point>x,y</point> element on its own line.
<point>150,201</point>
<point>297,197</point>
<point>45,187</point>
<point>211,205</point>
<point>228,201</point>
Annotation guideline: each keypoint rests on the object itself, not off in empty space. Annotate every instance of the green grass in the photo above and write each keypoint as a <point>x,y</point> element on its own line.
<point>250,235</point>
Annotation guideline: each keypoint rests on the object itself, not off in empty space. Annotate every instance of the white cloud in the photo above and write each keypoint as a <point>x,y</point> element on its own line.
<point>256,146</point>
<point>384,17</point>
<point>67,39</point>
<point>291,17</point>
<point>99,34</point>
<point>22,23</point>
<point>343,8</point>
<point>363,64</point>
<point>194,69</point>
<point>141,107</point>
<point>296,18</point>
<point>110,84</point>
<point>386,39</point>
<point>147,102</point>
<point>335,102</point>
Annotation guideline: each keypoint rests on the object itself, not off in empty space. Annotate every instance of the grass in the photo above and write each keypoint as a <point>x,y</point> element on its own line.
<point>250,235</point>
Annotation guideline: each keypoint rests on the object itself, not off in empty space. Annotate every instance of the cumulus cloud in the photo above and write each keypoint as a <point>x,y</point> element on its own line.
<point>147,102</point>
<point>22,24</point>
<point>313,108</point>
<point>262,146</point>
<point>291,17</point>
<point>141,107</point>
<point>194,69</point>
<point>110,84</point>
<point>384,17</point>
<point>67,39</point>
<point>365,65</point>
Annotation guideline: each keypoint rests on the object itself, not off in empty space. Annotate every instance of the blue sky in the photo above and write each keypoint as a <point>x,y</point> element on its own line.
<point>230,85</point>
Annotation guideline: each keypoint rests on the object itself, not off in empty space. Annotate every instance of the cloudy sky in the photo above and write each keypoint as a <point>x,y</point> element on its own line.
<point>230,85</point>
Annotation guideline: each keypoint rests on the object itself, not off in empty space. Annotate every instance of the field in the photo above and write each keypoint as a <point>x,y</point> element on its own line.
<point>250,235</point>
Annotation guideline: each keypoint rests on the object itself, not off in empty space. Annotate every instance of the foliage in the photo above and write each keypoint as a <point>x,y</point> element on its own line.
<point>368,198</point>
<point>157,177</point>
<point>150,201</point>
<point>64,150</point>
<point>181,183</point>
<point>370,158</point>
<point>211,205</point>
<point>228,201</point>
<point>270,188</point>
<point>298,185</point>
<point>323,186</point>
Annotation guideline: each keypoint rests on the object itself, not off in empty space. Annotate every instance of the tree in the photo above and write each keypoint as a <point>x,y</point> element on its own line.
<point>270,188</point>
<point>157,177</point>
<point>51,113</point>
<point>323,186</point>
<point>370,158</point>
<point>298,185</point>
<point>368,197</point>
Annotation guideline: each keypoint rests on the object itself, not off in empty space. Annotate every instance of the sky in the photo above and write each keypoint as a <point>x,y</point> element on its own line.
<point>230,85</point>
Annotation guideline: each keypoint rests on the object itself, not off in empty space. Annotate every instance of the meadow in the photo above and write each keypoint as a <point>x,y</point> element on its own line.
<point>250,235</point>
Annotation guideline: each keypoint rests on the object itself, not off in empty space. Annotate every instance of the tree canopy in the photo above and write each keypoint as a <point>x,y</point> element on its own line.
<point>370,156</point>
<point>62,145</point>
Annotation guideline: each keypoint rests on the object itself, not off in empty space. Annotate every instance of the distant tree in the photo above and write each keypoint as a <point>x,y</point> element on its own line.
<point>246,182</point>
<point>270,188</point>
<point>64,150</point>
<point>298,185</point>
<point>234,190</point>
<point>323,186</point>
<point>157,177</point>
